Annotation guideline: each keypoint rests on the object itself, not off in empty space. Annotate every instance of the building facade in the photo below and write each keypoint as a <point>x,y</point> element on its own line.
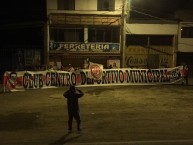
<point>151,45</point>
<point>185,37</point>
<point>185,45</point>
<point>82,30</point>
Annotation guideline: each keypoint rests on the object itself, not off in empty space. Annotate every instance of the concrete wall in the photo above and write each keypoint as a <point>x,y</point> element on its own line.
<point>86,5</point>
<point>184,44</point>
<point>51,5</point>
<point>148,29</point>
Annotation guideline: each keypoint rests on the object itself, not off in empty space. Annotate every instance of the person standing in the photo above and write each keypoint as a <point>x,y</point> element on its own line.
<point>55,66</point>
<point>114,65</point>
<point>71,68</point>
<point>185,75</point>
<point>72,95</point>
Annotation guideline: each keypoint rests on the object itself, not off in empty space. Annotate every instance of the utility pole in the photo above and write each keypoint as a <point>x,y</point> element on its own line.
<point>123,25</point>
<point>123,22</point>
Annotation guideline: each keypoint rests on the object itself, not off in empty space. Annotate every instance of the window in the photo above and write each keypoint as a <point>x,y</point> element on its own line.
<point>106,5</point>
<point>106,34</point>
<point>161,40</point>
<point>145,40</point>
<point>136,40</point>
<point>187,32</point>
<point>66,4</point>
<point>67,35</point>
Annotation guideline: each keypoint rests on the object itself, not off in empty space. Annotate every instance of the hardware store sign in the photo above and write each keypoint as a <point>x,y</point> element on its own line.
<point>85,47</point>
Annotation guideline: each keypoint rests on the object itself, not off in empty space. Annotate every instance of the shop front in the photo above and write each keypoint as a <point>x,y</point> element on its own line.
<point>79,55</point>
<point>77,39</point>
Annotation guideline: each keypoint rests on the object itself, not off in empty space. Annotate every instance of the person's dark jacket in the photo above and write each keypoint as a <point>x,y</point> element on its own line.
<point>72,96</point>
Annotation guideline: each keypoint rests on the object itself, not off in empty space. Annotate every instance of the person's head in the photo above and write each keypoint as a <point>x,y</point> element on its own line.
<point>72,88</point>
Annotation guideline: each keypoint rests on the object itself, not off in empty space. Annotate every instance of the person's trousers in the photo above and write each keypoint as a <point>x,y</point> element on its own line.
<point>76,116</point>
<point>185,81</point>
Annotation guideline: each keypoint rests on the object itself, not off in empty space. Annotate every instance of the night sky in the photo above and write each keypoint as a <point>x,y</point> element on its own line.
<point>14,11</point>
<point>22,22</point>
<point>34,10</point>
<point>23,17</point>
<point>159,8</point>
<point>22,11</point>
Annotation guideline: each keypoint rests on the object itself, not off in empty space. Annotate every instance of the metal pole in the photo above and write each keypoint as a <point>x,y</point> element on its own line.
<point>125,16</point>
<point>46,48</point>
<point>123,23</point>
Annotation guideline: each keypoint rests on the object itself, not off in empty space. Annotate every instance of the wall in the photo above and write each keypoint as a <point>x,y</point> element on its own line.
<point>137,56</point>
<point>165,29</point>
<point>86,5</point>
<point>184,44</point>
<point>144,57</point>
<point>51,5</point>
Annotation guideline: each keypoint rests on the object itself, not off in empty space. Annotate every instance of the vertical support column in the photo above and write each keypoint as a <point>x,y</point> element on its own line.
<point>123,33</point>
<point>46,46</point>
<point>175,48</point>
<point>85,34</point>
<point>175,45</point>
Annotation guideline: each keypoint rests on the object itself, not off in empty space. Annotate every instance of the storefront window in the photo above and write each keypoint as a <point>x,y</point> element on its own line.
<point>161,40</point>
<point>66,4</point>
<point>67,35</point>
<point>103,35</point>
<point>145,40</point>
<point>137,40</point>
<point>106,5</point>
<point>187,32</point>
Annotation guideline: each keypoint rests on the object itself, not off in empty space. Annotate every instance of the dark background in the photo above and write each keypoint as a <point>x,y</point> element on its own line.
<point>35,10</point>
<point>23,17</point>
<point>22,21</point>
<point>22,11</point>
<point>21,27</point>
<point>158,8</point>
<point>28,16</point>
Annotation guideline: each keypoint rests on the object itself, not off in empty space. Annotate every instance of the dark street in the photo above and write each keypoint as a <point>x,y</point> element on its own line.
<point>121,115</point>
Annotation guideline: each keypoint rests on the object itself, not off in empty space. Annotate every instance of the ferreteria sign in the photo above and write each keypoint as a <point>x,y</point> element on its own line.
<point>23,80</point>
<point>85,47</point>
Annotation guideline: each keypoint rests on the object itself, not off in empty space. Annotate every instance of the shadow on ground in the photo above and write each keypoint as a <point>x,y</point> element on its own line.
<point>17,121</point>
<point>66,139</point>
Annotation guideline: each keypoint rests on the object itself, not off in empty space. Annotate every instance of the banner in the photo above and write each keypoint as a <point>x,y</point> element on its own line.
<point>95,76</point>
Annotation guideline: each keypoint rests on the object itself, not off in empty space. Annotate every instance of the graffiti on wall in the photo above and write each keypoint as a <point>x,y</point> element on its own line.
<point>142,60</point>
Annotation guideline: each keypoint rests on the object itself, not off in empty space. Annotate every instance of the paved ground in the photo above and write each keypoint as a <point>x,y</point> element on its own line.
<point>118,115</point>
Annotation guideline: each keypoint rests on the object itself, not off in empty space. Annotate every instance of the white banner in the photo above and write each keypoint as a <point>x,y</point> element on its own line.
<point>22,80</point>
